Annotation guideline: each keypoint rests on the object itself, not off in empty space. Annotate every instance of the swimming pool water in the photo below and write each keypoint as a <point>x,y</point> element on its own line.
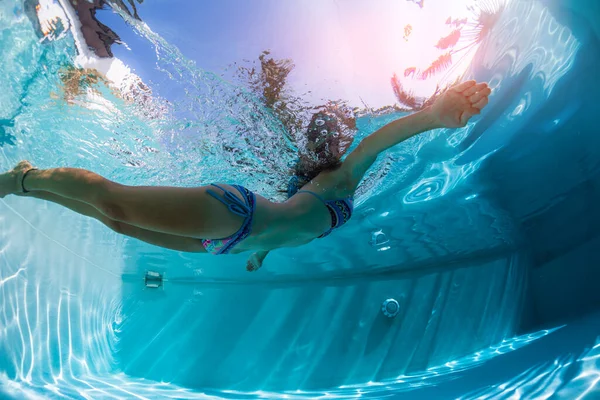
<point>485,235</point>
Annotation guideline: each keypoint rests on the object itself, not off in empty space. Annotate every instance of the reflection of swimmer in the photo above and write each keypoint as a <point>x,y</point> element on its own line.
<point>222,219</point>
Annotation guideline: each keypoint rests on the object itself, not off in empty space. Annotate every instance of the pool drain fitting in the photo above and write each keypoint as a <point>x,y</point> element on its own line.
<point>390,308</point>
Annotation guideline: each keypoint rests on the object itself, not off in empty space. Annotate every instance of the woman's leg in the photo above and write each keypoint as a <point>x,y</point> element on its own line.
<point>172,210</point>
<point>173,242</point>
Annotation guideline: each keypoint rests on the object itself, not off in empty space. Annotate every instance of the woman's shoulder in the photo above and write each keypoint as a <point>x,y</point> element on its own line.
<point>332,184</point>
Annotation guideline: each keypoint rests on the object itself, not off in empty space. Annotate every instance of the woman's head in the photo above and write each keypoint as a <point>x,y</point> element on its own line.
<point>326,142</point>
<point>323,137</point>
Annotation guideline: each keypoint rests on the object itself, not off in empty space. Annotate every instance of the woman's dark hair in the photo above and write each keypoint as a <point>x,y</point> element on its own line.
<point>326,142</point>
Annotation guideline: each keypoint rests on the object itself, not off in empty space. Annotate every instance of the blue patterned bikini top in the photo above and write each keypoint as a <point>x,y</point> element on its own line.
<point>339,209</point>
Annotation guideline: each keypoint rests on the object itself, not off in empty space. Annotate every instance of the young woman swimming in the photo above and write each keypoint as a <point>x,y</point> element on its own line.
<point>220,218</point>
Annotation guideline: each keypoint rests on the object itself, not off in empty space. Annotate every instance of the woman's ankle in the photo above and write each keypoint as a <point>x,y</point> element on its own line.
<point>27,173</point>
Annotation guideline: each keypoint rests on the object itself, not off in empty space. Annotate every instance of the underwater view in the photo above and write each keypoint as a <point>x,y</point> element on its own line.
<point>316,199</point>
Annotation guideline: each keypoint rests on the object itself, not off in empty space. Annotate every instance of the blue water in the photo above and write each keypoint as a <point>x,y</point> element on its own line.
<point>486,236</point>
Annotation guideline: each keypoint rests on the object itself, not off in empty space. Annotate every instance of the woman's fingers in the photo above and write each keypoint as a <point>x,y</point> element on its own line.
<point>461,87</point>
<point>250,266</point>
<point>474,98</point>
<point>256,260</point>
<point>474,89</point>
<point>481,103</point>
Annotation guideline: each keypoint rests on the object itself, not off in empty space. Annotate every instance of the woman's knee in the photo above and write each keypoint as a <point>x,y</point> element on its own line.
<point>112,210</point>
<point>114,225</point>
<point>107,202</point>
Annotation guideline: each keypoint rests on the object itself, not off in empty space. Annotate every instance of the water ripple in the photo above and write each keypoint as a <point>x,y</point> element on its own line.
<point>528,34</point>
<point>447,178</point>
<point>120,386</point>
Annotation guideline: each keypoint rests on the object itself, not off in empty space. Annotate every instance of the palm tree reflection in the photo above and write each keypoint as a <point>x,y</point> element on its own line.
<point>464,37</point>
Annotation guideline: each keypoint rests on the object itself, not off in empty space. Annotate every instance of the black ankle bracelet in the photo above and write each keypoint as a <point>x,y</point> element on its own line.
<point>23,180</point>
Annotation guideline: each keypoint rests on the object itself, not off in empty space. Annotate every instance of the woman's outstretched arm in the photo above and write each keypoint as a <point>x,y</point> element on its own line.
<point>453,109</point>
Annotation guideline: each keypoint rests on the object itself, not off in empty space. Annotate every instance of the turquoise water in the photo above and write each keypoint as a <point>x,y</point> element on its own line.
<point>484,235</point>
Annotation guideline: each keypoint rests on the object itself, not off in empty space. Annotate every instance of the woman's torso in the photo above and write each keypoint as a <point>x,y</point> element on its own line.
<point>299,220</point>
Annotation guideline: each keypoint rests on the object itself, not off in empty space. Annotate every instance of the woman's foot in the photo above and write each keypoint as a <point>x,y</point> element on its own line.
<point>10,182</point>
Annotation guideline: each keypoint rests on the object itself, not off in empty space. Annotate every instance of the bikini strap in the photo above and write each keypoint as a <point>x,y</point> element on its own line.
<point>233,203</point>
<point>314,194</point>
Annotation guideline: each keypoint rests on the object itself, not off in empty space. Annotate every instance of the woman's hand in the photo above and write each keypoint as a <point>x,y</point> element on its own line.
<point>457,105</point>
<point>256,260</point>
